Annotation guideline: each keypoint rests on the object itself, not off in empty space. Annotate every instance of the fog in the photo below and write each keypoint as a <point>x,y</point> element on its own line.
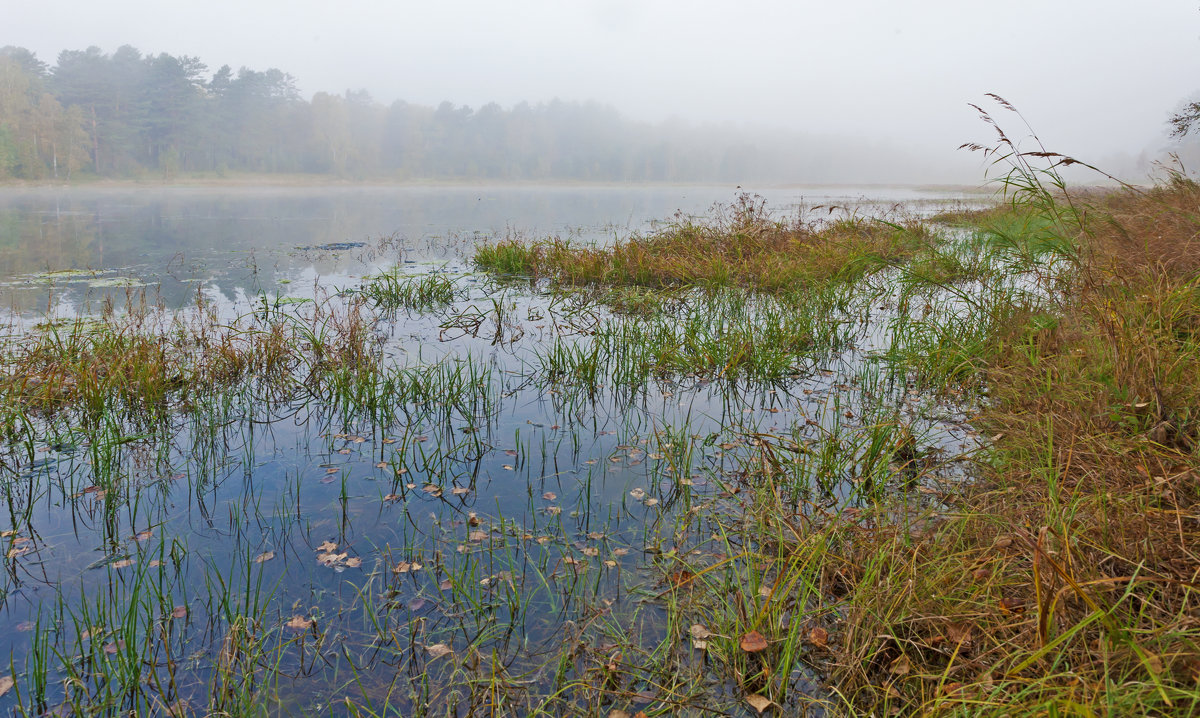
<point>883,86</point>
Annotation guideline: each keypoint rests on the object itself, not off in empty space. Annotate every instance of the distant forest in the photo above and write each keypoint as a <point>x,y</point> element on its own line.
<point>127,114</point>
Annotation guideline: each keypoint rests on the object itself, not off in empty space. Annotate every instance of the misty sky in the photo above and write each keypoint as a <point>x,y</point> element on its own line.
<point>1094,77</point>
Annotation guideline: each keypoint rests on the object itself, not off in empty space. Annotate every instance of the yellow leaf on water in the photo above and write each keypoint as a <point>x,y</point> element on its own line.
<point>460,490</point>
<point>264,556</point>
<point>6,684</point>
<point>327,546</point>
<point>354,562</point>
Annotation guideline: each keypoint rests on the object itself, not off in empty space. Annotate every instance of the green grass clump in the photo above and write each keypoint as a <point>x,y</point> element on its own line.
<point>739,246</point>
<point>423,293</point>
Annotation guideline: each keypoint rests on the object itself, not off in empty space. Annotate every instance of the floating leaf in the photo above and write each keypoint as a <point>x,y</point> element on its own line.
<point>477,536</point>
<point>591,551</point>
<point>402,567</point>
<point>331,559</point>
<point>651,502</point>
<point>6,684</point>
<point>416,604</point>
<point>549,496</point>
<point>432,489</point>
<point>438,650</point>
<point>460,490</point>
<point>299,623</point>
<point>509,452</point>
<point>264,556</point>
<point>446,584</point>
<point>327,546</point>
<point>595,535</point>
<point>508,467</point>
<point>638,494</point>
<point>753,642</point>
<point>391,498</point>
<point>354,562</point>
<point>123,563</point>
<point>759,703</point>
<point>699,631</point>
<point>179,612</point>
<point>382,465</point>
<point>332,470</point>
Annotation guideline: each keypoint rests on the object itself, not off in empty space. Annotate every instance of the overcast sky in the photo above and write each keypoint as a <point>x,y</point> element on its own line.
<point>1094,77</point>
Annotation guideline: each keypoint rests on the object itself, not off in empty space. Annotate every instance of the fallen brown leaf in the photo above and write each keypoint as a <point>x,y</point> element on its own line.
<point>299,623</point>
<point>753,642</point>
<point>438,650</point>
<point>759,703</point>
<point>819,637</point>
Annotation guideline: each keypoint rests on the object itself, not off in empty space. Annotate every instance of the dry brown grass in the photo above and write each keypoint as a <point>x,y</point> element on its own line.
<point>1067,577</point>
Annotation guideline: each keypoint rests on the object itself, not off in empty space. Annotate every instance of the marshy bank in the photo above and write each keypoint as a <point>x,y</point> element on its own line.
<point>836,463</point>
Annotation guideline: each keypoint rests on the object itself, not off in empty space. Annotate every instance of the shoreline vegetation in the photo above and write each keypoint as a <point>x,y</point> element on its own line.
<point>1063,576</point>
<point>853,563</point>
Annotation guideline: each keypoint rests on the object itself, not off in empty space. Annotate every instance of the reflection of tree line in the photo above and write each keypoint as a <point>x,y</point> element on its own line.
<point>125,114</point>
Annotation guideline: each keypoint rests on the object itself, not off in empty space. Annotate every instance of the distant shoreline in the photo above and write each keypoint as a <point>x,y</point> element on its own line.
<point>300,181</point>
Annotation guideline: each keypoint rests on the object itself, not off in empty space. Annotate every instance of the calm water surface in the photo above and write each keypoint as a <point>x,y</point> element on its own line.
<point>538,512</point>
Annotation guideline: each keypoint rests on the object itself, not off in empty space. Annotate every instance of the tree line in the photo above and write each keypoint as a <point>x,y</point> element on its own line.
<point>128,114</point>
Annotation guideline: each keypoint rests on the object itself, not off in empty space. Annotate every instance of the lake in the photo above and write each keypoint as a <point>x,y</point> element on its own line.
<point>477,513</point>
